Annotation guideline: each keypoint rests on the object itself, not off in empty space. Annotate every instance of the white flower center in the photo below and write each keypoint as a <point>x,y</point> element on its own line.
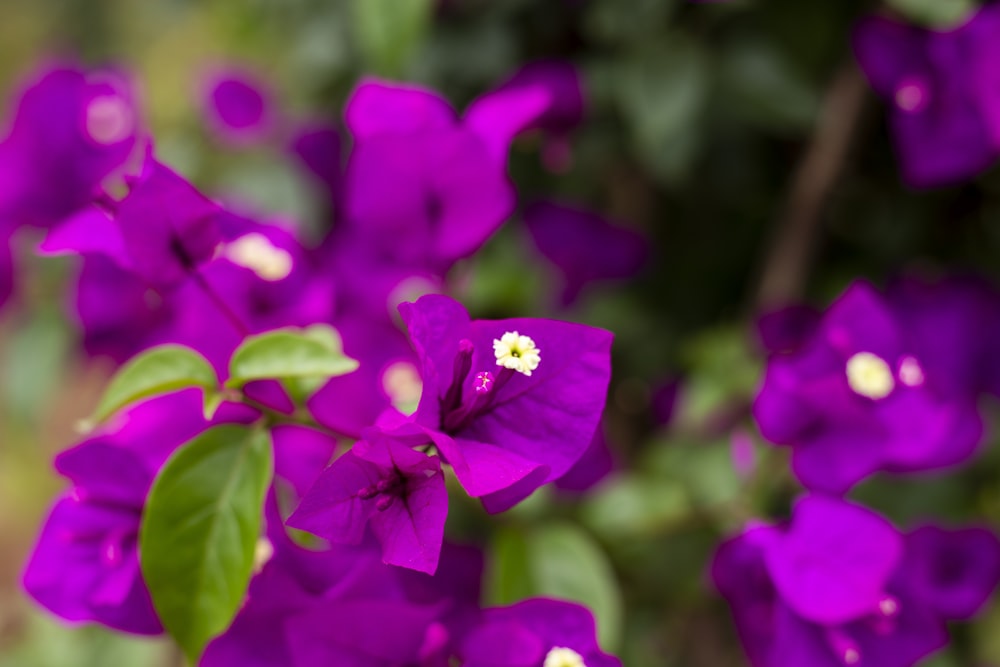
<point>109,119</point>
<point>910,97</point>
<point>563,657</point>
<point>401,381</point>
<point>516,352</point>
<point>910,372</point>
<point>257,253</point>
<point>262,554</point>
<point>869,376</point>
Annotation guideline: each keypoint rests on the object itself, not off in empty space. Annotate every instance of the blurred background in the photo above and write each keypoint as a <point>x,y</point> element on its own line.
<point>738,137</point>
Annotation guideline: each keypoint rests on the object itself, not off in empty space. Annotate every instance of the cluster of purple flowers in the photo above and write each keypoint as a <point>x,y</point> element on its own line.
<point>885,381</point>
<point>505,405</point>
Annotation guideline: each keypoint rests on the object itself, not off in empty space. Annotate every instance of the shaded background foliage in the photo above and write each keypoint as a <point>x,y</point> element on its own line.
<point>705,125</point>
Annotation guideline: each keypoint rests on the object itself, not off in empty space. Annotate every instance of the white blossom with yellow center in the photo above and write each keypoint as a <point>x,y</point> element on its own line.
<point>516,352</point>
<point>563,657</point>
<point>257,253</point>
<point>869,376</point>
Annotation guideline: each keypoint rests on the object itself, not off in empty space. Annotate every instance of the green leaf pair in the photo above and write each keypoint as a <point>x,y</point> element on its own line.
<point>302,358</point>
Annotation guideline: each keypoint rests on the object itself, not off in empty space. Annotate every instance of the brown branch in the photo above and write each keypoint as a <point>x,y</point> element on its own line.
<point>784,272</point>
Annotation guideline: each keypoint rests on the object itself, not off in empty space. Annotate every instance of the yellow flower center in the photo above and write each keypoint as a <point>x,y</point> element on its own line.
<point>257,253</point>
<point>516,352</point>
<point>563,657</point>
<point>869,376</point>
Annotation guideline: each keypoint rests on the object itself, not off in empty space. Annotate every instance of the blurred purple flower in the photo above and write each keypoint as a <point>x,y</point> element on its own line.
<point>384,616</point>
<point>584,247</point>
<point>510,404</point>
<point>236,105</point>
<point>85,566</point>
<point>71,130</point>
<point>533,633</point>
<point>841,587</point>
<point>943,123</point>
<point>380,482</point>
<point>427,188</point>
<point>883,383</point>
<point>317,146</point>
<point>162,231</point>
<point>495,115</point>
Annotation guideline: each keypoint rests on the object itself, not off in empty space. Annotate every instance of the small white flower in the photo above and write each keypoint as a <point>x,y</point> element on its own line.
<point>516,352</point>
<point>563,657</point>
<point>869,376</point>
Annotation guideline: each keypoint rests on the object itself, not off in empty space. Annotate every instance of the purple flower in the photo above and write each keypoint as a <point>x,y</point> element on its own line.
<point>427,188</point>
<point>941,122</point>
<point>584,247</point>
<point>380,482</point>
<point>883,383</point>
<point>85,566</point>
<point>317,146</point>
<point>70,131</point>
<point>258,277</point>
<point>840,586</point>
<point>383,615</point>
<point>162,231</point>
<point>388,375</point>
<point>536,633</point>
<point>546,95</point>
<point>595,464</point>
<point>952,572</point>
<point>236,105</point>
<point>510,404</point>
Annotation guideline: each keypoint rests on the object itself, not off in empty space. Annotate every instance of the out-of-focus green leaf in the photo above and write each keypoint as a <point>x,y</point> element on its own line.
<point>723,368</point>
<point>566,563</point>
<point>761,86</point>
<point>557,560</point>
<point>32,361</point>
<point>42,641</point>
<point>617,21</point>
<point>508,578</point>
<point>156,371</point>
<point>389,31</point>
<point>290,354</point>
<point>937,13</point>
<point>200,529</point>
<point>662,90</point>
<point>630,505</point>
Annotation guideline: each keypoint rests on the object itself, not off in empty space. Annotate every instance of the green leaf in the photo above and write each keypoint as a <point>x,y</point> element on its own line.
<point>157,371</point>
<point>662,91</point>
<point>313,353</point>
<point>630,506</point>
<point>200,529</point>
<point>566,563</point>
<point>508,579</point>
<point>389,31</point>
<point>936,13</point>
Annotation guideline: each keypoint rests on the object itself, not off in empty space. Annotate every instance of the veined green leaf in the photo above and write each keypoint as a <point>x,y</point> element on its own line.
<point>200,530</point>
